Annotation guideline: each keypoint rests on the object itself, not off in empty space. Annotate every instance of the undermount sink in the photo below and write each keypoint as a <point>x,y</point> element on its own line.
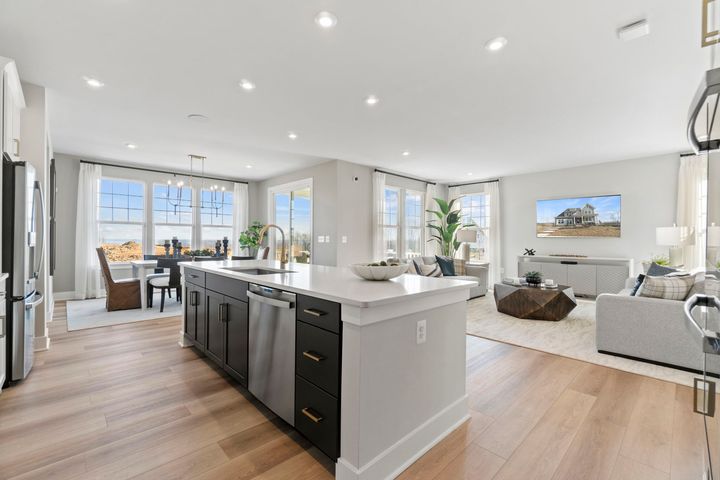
<point>258,271</point>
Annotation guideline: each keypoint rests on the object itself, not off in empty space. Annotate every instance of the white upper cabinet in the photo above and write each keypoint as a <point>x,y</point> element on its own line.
<point>13,102</point>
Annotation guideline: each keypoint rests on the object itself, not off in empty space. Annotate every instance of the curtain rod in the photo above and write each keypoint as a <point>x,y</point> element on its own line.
<point>162,171</point>
<point>497,180</point>
<point>404,176</point>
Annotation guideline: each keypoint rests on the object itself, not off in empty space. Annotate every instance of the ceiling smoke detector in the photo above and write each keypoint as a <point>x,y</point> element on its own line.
<point>634,30</point>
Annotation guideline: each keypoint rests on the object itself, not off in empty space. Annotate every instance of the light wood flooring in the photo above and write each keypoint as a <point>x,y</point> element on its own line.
<point>127,402</point>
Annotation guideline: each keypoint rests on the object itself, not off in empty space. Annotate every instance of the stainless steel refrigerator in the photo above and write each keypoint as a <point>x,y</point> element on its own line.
<point>23,215</point>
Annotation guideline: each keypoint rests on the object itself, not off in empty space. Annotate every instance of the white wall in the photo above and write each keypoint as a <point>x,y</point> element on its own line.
<point>649,192</point>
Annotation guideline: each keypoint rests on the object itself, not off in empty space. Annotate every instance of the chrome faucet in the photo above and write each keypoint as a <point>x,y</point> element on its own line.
<point>283,248</point>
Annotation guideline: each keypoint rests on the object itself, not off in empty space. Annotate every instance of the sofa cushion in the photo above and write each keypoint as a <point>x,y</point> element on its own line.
<point>447,265</point>
<point>668,288</point>
<point>656,270</point>
<point>429,270</point>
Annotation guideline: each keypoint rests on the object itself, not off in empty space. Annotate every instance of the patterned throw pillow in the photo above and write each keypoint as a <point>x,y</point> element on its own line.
<point>668,288</point>
<point>430,270</point>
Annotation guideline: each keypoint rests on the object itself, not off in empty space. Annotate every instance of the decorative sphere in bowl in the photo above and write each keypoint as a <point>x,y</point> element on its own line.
<point>378,272</point>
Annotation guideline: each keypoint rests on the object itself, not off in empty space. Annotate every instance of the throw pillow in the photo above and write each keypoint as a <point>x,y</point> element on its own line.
<point>638,282</point>
<point>430,270</point>
<point>447,266</point>
<point>656,270</point>
<point>417,265</point>
<point>668,288</point>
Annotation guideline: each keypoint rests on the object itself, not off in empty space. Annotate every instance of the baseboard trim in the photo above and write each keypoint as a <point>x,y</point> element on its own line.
<point>659,364</point>
<point>406,451</point>
<point>41,344</point>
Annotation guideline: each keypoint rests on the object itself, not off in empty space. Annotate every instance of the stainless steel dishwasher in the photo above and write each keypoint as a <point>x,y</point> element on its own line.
<point>271,349</point>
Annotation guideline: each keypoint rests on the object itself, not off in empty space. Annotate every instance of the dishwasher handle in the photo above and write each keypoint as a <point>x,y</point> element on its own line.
<point>270,301</point>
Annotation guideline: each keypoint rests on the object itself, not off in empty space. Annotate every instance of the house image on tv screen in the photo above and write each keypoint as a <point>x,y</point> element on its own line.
<point>578,216</point>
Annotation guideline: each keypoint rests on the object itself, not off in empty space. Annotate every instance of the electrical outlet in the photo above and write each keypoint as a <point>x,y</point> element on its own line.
<point>421,333</point>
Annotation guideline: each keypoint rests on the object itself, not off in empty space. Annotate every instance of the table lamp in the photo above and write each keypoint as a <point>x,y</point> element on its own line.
<point>466,237</point>
<point>674,237</point>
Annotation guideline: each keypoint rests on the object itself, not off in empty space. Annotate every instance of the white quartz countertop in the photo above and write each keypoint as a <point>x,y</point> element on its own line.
<point>337,284</point>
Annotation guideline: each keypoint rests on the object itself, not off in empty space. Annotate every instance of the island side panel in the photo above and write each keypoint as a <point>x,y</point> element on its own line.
<point>400,397</point>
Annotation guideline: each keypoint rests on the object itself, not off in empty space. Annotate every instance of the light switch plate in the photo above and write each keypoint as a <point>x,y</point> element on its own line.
<point>344,239</point>
<point>321,239</point>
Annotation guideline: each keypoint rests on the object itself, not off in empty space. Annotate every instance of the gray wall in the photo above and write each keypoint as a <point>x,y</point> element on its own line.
<point>649,193</point>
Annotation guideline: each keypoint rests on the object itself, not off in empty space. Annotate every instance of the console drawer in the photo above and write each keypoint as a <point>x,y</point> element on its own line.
<point>236,289</point>
<point>317,357</point>
<point>321,313</point>
<point>196,277</point>
<point>317,417</point>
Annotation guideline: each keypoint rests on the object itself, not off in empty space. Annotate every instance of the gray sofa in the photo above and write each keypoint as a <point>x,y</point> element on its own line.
<point>476,273</point>
<point>649,329</point>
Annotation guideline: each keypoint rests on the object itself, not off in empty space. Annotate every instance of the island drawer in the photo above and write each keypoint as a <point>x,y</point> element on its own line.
<point>236,289</point>
<point>317,357</point>
<point>317,417</point>
<point>321,313</point>
<point>196,277</point>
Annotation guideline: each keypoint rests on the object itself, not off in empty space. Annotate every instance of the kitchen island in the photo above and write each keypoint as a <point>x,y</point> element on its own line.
<point>376,369</point>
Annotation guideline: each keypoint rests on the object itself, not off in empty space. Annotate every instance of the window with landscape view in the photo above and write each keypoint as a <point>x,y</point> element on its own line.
<point>476,209</point>
<point>216,219</point>
<point>403,223</point>
<point>172,216</point>
<point>121,219</point>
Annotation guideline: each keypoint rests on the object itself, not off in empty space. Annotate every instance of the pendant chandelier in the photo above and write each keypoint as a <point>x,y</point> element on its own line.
<point>217,194</point>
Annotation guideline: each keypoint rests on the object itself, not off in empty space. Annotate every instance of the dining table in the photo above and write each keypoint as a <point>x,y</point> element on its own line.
<point>141,269</point>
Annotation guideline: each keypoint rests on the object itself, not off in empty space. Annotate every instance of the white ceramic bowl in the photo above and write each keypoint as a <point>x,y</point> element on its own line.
<point>378,273</point>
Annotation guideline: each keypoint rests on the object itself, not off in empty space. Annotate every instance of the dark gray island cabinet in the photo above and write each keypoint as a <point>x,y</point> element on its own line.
<point>216,323</point>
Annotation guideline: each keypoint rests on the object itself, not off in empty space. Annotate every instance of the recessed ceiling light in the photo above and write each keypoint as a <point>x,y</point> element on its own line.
<point>131,146</point>
<point>93,82</point>
<point>496,44</point>
<point>247,84</point>
<point>469,174</point>
<point>292,135</point>
<point>326,20</point>
<point>372,100</point>
<point>197,117</point>
<point>248,166</point>
<point>405,153</point>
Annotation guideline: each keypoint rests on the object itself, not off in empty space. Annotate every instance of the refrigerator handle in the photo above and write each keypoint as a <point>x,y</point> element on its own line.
<point>36,272</point>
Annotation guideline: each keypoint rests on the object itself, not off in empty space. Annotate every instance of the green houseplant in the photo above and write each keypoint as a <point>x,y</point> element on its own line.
<point>446,225</point>
<point>250,238</point>
<point>533,278</point>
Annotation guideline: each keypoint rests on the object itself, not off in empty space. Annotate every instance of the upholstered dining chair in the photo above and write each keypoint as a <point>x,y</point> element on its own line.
<point>166,283</point>
<point>121,294</point>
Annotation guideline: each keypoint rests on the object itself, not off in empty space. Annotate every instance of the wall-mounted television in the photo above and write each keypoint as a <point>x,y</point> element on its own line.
<point>579,217</point>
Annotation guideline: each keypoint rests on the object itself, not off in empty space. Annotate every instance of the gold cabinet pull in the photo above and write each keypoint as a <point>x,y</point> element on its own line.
<point>311,415</point>
<point>313,356</point>
<point>314,312</point>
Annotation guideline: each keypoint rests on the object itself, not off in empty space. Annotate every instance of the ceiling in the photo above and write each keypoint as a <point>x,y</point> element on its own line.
<point>563,92</point>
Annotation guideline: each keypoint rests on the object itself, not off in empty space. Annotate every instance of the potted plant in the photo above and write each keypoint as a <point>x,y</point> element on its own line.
<point>662,260</point>
<point>446,225</point>
<point>533,278</point>
<point>250,238</point>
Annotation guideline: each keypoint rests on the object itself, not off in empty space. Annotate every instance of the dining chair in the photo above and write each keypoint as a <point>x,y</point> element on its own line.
<point>168,282</point>
<point>120,294</point>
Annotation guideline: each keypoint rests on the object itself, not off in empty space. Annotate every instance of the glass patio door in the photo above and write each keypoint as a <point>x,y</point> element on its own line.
<point>292,211</point>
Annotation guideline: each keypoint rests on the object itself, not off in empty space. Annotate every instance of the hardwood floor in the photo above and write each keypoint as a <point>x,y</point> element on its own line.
<point>127,402</point>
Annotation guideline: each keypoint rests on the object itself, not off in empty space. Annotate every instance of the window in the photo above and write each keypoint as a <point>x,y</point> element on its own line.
<point>476,209</point>
<point>121,219</point>
<point>403,223</point>
<point>173,217</point>
<point>216,219</point>
<point>291,210</point>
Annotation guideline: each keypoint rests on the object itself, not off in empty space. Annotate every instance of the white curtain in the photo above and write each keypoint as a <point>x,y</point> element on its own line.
<point>492,189</point>
<point>692,192</point>
<point>431,247</point>
<point>378,205</point>
<point>240,214</point>
<point>87,267</point>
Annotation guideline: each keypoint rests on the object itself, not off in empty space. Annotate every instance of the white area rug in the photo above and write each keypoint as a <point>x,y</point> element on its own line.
<point>572,337</point>
<point>83,314</point>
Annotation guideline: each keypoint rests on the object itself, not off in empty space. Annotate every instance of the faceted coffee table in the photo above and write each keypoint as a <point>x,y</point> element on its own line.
<point>536,303</point>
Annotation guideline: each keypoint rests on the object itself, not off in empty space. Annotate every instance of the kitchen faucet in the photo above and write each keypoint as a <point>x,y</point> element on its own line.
<point>283,248</point>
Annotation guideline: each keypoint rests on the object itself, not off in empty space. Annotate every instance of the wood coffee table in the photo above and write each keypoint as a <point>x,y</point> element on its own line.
<point>535,303</point>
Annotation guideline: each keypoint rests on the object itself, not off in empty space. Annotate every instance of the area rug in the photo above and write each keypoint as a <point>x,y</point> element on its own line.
<point>573,337</point>
<point>83,314</point>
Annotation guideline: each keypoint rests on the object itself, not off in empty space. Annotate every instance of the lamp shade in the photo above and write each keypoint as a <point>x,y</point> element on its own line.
<point>713,236</point>
<point>673,236</point>
<point>467,235</point>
